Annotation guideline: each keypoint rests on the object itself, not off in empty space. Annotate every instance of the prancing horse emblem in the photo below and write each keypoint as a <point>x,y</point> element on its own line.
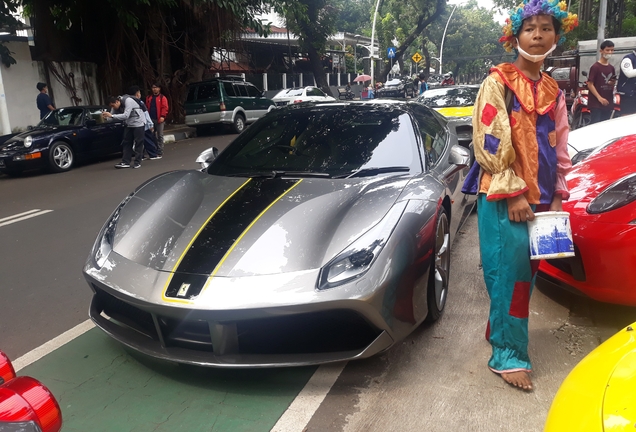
<point>183,291</point>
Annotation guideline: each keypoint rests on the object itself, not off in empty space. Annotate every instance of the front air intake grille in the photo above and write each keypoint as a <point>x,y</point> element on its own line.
<point>314,332</point>
<point>125,313</point>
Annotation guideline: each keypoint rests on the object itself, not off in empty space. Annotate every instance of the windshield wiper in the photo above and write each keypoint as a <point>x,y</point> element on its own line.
<point>274,174</point>
<point>373,171</point>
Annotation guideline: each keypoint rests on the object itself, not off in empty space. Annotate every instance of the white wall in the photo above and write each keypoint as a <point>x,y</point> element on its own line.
<point>19,86</point>
<point>85,81</point>
<point>20,82</point>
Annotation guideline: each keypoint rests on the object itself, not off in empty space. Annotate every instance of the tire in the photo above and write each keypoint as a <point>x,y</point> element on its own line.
<point>239,123</point>
<point>586,119</point>
<point>61,157</point>
<point>439,274</point>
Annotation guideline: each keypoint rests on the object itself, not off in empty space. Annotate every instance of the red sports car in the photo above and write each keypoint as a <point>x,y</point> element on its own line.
<point>602,210</point>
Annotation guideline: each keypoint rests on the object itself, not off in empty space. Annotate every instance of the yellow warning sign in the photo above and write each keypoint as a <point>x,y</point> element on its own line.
<point>417,57</point>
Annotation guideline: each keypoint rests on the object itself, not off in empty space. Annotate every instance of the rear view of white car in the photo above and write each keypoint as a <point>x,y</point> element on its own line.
<point>302,94</point>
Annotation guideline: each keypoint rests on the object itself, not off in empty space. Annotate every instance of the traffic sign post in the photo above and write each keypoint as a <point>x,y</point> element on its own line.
<point>416,57</point>
<point>390,52</point>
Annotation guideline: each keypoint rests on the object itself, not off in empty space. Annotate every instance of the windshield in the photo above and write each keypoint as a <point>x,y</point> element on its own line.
<point>393,82</point>
<point>330,140</point>
<point>64,117</point>
<point>449,97</point>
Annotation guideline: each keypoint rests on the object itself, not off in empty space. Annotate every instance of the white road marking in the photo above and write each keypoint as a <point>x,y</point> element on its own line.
<point>22,216</point>
<point>302,409</point>
<point>50,346</point>
<point>19,214</point>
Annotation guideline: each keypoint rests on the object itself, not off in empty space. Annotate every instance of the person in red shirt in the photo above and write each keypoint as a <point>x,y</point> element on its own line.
<point>157,105</point>
<point>600,83</point>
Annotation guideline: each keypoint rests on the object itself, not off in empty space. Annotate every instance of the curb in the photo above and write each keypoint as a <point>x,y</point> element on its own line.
<point>178,136</point>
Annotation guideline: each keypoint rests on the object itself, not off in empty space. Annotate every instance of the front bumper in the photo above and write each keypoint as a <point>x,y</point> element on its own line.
<point>22,161</point>
<point>268,337</point>
<point>604,267</point>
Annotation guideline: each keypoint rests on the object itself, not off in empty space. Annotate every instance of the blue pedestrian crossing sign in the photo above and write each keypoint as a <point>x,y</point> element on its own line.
<point>390,52</point>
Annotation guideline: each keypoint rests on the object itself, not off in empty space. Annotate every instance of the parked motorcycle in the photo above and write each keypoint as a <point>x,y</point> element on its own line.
<point>580,113</point>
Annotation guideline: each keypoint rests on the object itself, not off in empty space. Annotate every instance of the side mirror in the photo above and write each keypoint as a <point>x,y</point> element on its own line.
<point>459,156</point>
<point>207,157</point>
<point>91,122</point>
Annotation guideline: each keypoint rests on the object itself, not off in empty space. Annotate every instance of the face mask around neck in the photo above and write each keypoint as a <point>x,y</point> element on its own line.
<point>534,58</point>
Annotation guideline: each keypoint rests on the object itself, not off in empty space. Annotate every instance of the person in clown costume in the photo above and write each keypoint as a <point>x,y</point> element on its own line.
<point>520,133</point>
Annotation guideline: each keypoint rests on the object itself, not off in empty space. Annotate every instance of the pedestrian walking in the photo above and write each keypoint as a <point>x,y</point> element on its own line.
<point>157,105</point>
<point>600,83</point>
<point>150,141</point>
<point>131,110</point>
<point>43,101</point>
<point>519,113</point>
<point>627,84</point>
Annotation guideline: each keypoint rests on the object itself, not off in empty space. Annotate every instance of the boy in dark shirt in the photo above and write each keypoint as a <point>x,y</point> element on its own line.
<point>43,101</point>
<point>600,83</point>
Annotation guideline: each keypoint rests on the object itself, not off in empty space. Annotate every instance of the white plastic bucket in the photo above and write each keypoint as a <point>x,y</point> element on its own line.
<point>550,236</point>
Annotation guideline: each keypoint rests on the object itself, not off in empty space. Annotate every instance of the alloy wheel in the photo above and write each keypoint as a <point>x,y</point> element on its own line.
<point>442,261</point>
<point>62,157</point>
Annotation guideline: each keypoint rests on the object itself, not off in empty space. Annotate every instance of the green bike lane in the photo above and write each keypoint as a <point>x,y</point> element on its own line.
<point>103,386</point>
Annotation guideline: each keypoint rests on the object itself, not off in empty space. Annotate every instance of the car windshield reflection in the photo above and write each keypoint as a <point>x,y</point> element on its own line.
<point>322,140</point>
<point>449,97</point>
<point>63,117</point>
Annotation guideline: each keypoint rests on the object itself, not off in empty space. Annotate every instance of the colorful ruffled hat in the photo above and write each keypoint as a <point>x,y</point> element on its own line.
<point>556,8</point>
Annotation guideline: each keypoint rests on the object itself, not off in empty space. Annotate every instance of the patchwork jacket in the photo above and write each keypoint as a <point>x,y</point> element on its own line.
<point>520,138</point>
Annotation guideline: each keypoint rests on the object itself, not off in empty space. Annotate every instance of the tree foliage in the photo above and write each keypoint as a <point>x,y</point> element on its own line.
<point>313,21</point>
<point>9,22</point>
<point>471,44</point>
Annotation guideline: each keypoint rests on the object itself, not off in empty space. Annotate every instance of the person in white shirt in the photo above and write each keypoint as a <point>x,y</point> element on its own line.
<point>627,84</point>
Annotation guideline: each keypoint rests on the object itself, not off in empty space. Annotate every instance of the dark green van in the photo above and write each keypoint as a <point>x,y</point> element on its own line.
<point>225,100</point>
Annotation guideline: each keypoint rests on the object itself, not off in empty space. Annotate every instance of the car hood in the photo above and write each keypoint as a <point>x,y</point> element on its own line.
<point>17,142</point>
<point>598,394</point>
<point>597,172</point>
<point>192,222</point>
<point>456,111</point>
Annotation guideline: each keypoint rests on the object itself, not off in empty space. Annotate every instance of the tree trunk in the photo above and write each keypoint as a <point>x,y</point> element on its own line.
<point>422,23</point>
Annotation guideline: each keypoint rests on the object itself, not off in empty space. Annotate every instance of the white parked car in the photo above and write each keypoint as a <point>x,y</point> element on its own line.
<point>584,141</point>
<point>302,94</point>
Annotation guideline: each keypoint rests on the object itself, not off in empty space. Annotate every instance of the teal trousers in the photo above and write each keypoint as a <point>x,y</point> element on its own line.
<point>509,275</point>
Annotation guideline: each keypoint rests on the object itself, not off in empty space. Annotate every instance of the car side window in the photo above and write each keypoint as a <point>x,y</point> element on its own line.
<point>240,90</point>
<point>432,133</point>
<point>252,91</point>
<point>229,89</point>
<point>208,91</point>
<point>316,92</point>
<point>561,74</point>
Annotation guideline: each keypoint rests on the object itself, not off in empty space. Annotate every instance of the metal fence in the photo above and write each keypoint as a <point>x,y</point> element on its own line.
<point>278,81</point>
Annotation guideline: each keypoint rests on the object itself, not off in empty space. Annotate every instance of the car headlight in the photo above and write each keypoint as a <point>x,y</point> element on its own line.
<point>617,195</point>
<point>360,255</point>
<point>104,243</point>
<point>28,141</point>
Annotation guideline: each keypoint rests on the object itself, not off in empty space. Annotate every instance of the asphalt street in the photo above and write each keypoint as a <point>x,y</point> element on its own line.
<point>436,380</point>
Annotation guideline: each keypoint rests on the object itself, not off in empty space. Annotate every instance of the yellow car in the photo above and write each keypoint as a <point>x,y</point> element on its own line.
<point>451,101</point>
<point>600,392</point>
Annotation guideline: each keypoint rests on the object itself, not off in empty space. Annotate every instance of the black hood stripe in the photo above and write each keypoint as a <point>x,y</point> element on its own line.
<point>221,232</point>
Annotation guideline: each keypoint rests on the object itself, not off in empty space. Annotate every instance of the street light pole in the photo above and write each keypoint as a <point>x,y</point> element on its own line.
<point>375,14</point>
<point>355,56</point>
<point>441,48</point>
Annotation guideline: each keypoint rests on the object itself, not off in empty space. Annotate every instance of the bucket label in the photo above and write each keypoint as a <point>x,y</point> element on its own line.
<point>551,237</point>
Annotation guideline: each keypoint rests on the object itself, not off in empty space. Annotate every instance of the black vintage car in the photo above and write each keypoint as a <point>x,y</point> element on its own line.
<point>61,138</point>
<point>397,88</point>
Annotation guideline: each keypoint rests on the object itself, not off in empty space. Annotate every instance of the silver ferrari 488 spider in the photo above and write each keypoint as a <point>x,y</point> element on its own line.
<point>321,233</point>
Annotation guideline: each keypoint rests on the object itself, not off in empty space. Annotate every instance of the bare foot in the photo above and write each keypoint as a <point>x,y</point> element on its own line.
<point>519,379</point>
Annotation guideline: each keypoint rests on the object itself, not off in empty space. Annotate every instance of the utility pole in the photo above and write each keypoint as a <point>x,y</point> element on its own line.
<point>602,17</point>
<point>441,48</point>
